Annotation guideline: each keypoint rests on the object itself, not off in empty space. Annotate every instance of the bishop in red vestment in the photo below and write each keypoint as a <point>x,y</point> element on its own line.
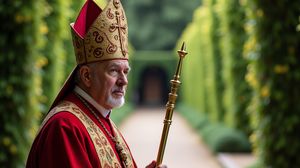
<point>65,142</point>
<point>77,131</point>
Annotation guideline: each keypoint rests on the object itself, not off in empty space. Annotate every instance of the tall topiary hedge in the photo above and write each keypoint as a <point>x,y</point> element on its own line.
<point>236,90</point>
<point>21,39</point>
<point>204,85</point>
<point>150,20</point>
<point>274,74</point>
<point>70,55</point>
<point>213,61</point>
<point>193,72</point>
<point>58,31</point>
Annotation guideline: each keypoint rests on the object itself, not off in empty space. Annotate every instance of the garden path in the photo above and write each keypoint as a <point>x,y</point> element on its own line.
<point>142,130</point>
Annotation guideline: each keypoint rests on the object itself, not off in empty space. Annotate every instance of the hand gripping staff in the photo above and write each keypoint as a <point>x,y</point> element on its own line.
<point>170,105</point>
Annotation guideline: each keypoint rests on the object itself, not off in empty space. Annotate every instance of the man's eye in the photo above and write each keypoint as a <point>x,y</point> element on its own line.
<point>126,72</point>
<point>113,71</point>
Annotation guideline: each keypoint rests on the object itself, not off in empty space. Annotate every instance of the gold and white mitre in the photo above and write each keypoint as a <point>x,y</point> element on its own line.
<point>100,34</point>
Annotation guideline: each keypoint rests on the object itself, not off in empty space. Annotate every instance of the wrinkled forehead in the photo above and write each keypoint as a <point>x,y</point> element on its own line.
<point>117,63</point>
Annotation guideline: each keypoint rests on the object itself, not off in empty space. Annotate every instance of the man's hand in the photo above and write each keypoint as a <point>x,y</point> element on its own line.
<point>153,165</point>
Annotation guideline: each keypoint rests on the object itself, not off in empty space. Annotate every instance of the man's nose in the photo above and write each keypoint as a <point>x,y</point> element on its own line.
<point>122,80</point>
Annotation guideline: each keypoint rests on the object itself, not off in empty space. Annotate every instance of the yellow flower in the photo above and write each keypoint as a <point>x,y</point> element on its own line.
<point>44,29</point>
<point>13,149</point>
<point>250,78</point>
<point>281,69</point>
<point>9,89</point>
<point>6,141</point>
<point>265,91</point>
<point>41,62</point>
<point>19,18</point>
<point>249,46</point>
<point>260,13</point>
<point>43,98</point>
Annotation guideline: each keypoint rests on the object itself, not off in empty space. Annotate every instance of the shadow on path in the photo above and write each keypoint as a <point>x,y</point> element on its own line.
<point>142,130</point>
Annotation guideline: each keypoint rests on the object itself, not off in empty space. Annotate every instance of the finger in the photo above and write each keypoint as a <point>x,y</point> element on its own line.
<point>162,166</point>
<point>152,164</point>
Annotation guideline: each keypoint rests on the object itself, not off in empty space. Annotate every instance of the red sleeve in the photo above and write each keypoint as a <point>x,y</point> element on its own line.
<point>63,142</point>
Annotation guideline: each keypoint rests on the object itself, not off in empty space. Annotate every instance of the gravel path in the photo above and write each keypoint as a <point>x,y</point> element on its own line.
<point>142,130</point>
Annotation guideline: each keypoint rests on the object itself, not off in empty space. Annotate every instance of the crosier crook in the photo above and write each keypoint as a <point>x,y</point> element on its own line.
<point>170,105</point>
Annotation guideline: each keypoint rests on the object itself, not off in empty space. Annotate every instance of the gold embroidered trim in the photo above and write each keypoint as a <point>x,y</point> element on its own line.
<point>123,144</point>
<point>102,146</point>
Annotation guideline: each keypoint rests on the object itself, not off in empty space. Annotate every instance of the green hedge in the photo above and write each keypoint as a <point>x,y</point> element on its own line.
<point>236,95</point>
<point>273,51</point>
<point>21,40</point>
<point>156,24</point>
<point>213,75</point>
<point>219,137</point>
<point>32,34</point>
<point>198,120</point>
<point>70,55</point>
<point>194,62</point>
<point>57,20</point>
<point>201,74</point>
<point>214,65</point>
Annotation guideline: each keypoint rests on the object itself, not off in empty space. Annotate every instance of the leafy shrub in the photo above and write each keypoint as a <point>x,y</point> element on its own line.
<point>236,96</point>
<point>219,137</point>
<point>197,120</point>
<point>224,139</point>
<point>273,73</point>
<point>21,39</point>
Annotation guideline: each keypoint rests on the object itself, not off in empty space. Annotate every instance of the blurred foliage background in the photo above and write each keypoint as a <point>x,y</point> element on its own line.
<point>156,24</point>
<point>240,80</point>
<point>246,55</point>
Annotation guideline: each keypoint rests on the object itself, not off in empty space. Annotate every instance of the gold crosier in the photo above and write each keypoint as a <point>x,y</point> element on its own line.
<point>170,105</point>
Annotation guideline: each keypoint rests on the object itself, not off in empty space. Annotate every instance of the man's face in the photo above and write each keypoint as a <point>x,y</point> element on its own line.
<point>109,82</point>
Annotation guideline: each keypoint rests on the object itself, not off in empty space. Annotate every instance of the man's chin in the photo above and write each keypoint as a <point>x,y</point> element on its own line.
<point>115,103</point>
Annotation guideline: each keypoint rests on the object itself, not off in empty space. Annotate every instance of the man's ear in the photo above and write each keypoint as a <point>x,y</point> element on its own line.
<point>85,75</point>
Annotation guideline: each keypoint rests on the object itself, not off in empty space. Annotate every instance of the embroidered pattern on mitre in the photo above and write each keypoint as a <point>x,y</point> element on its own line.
<point>106,38</point>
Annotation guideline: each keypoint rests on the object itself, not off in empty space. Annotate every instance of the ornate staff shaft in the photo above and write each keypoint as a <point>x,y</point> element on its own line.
<point>170,105</point>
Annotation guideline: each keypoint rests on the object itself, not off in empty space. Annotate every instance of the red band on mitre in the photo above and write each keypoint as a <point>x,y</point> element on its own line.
<point>88,14</point>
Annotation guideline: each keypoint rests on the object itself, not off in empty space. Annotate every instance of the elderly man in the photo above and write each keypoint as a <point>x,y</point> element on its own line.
<point>77,131</point>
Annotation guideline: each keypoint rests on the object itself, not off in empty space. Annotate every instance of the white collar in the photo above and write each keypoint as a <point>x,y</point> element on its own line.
<point>104,112</point>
